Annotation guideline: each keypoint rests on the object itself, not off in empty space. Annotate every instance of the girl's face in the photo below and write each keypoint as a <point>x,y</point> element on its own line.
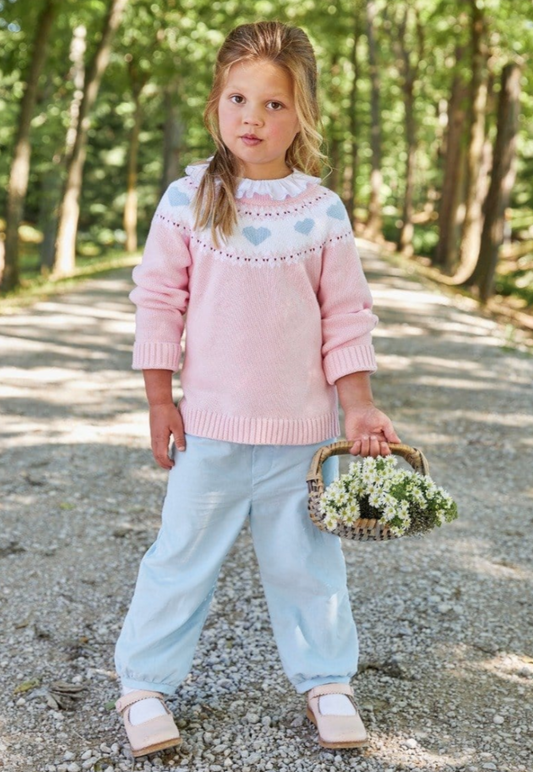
<point>257,101</point>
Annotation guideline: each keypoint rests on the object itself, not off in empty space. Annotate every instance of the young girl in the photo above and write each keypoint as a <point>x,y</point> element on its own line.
<point>261,257</point>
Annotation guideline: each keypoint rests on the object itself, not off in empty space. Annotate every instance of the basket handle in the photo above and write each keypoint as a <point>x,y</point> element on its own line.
<point>413,456</point>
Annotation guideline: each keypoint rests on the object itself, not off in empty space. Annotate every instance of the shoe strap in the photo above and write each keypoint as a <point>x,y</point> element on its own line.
<point>132,697</point>
<point>325,689</point>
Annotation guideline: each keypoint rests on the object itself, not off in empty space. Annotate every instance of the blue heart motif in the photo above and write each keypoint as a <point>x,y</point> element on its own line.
<point>304,226</point>
<point>337,211</point>
<point>256,235</point>
<point>177,197</point>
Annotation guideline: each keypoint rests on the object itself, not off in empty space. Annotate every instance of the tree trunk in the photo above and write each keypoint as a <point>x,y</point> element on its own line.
<point>445,254</point>
<point>20,167</point>
<point>405,238</point>
<point>130,208</point>
<point>64,263</point>
<point>172,137</point>
<point>473,221</point>
<point>351,198</point>
<point>52,183</point>
<point>374,224</point>
<point>48,211</point>
<point>502,180</point>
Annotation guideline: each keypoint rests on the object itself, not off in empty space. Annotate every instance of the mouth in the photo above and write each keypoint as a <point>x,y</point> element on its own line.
<point>250,138</point>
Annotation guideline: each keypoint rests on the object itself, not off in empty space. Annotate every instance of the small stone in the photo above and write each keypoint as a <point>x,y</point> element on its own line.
<point>105,748</point>
<point>73,767</point>
<point>86,755</point>
<point>68,755</point>
<point>252,718</point>
<point>298,721</point>
<point>443,608</point>
<point>498,719</point>
<point>19,703</point>
<point>411,743</point>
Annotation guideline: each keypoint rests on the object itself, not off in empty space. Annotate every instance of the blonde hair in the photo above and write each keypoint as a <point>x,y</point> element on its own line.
<point>287,47</point>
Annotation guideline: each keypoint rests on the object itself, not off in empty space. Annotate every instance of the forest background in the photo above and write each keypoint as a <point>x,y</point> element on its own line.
<point>427,115</point>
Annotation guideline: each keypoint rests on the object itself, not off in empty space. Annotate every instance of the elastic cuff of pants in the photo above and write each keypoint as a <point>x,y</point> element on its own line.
<point>148,686</point>
<point>306,685</point>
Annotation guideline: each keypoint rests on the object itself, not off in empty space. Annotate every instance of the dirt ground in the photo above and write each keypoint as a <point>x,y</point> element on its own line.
<point>445,621</point>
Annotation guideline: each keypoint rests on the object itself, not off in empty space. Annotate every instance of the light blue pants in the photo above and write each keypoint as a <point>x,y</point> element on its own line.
<point>213,488</point>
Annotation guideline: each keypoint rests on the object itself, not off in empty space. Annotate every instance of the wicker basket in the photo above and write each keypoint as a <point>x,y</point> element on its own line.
<point>365,528</point>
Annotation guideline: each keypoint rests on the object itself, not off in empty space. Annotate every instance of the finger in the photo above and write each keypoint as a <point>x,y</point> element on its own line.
<point>365,445</point>
<point>356,448</point>
<point>164,461</point>
<point>390,434</point>
<point>179,437</point>
<point>160,452</point>
<point>374,447</point>
<point>384,449</point>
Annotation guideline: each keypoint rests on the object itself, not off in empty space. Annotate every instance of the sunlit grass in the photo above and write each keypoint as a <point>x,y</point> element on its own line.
<point>36,286</point>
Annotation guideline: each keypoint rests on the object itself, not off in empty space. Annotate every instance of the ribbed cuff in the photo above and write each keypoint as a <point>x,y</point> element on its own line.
<point>352,359</point>
<point>156,356</point>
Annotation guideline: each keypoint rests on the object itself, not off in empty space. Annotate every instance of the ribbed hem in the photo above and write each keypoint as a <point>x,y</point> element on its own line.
<point>156,356</point>
<point>352,359</point>
<point>259,431</point>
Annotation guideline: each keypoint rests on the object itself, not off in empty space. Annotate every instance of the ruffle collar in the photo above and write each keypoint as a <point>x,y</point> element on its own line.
<point>278,189</point>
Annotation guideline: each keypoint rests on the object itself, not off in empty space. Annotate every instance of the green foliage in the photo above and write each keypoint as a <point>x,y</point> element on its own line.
<point>164,44</point>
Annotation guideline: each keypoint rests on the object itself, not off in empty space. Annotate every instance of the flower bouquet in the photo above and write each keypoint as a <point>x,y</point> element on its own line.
<point>376,499</point>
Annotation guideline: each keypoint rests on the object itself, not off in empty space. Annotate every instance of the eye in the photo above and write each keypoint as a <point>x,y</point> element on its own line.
<point>279,105</point>
<point>236,96</point>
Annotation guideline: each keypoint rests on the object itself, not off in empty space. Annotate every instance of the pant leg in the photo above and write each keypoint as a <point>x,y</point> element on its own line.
<point>207,502</point>
<point>303,572</point>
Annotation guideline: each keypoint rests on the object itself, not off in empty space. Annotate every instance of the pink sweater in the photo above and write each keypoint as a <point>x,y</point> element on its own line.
<point>272,319</point>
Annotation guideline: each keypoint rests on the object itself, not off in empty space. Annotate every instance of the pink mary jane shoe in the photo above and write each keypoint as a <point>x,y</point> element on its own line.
<point>336,731</point>
<point>150,736</point>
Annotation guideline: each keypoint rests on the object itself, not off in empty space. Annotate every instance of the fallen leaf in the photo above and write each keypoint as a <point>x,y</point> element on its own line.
<point>25,686</point>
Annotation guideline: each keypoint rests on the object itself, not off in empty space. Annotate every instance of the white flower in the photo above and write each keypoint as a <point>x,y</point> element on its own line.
<point>398,530</point>
<point>390,490</point>
<point>330,521</point>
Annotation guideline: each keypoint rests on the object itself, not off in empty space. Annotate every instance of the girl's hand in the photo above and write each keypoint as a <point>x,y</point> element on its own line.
<point>370,430</point>
<point>165,420</point>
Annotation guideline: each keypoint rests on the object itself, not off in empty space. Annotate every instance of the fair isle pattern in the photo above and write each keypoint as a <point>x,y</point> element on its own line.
<point>309,222</point>
<point>265,260</point>
<point>263,349</point>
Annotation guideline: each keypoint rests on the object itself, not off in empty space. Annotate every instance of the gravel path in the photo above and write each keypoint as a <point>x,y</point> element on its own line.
<point>445,622</point>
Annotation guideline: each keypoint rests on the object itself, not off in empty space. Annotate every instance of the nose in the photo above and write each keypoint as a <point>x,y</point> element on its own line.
<point>252,116</point>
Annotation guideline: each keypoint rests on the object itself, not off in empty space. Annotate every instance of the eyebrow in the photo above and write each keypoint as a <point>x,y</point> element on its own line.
<point>279,95</point>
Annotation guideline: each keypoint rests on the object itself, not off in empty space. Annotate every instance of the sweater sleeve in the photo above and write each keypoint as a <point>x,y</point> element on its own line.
<point>346,308</point>
<point>161,295</point>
